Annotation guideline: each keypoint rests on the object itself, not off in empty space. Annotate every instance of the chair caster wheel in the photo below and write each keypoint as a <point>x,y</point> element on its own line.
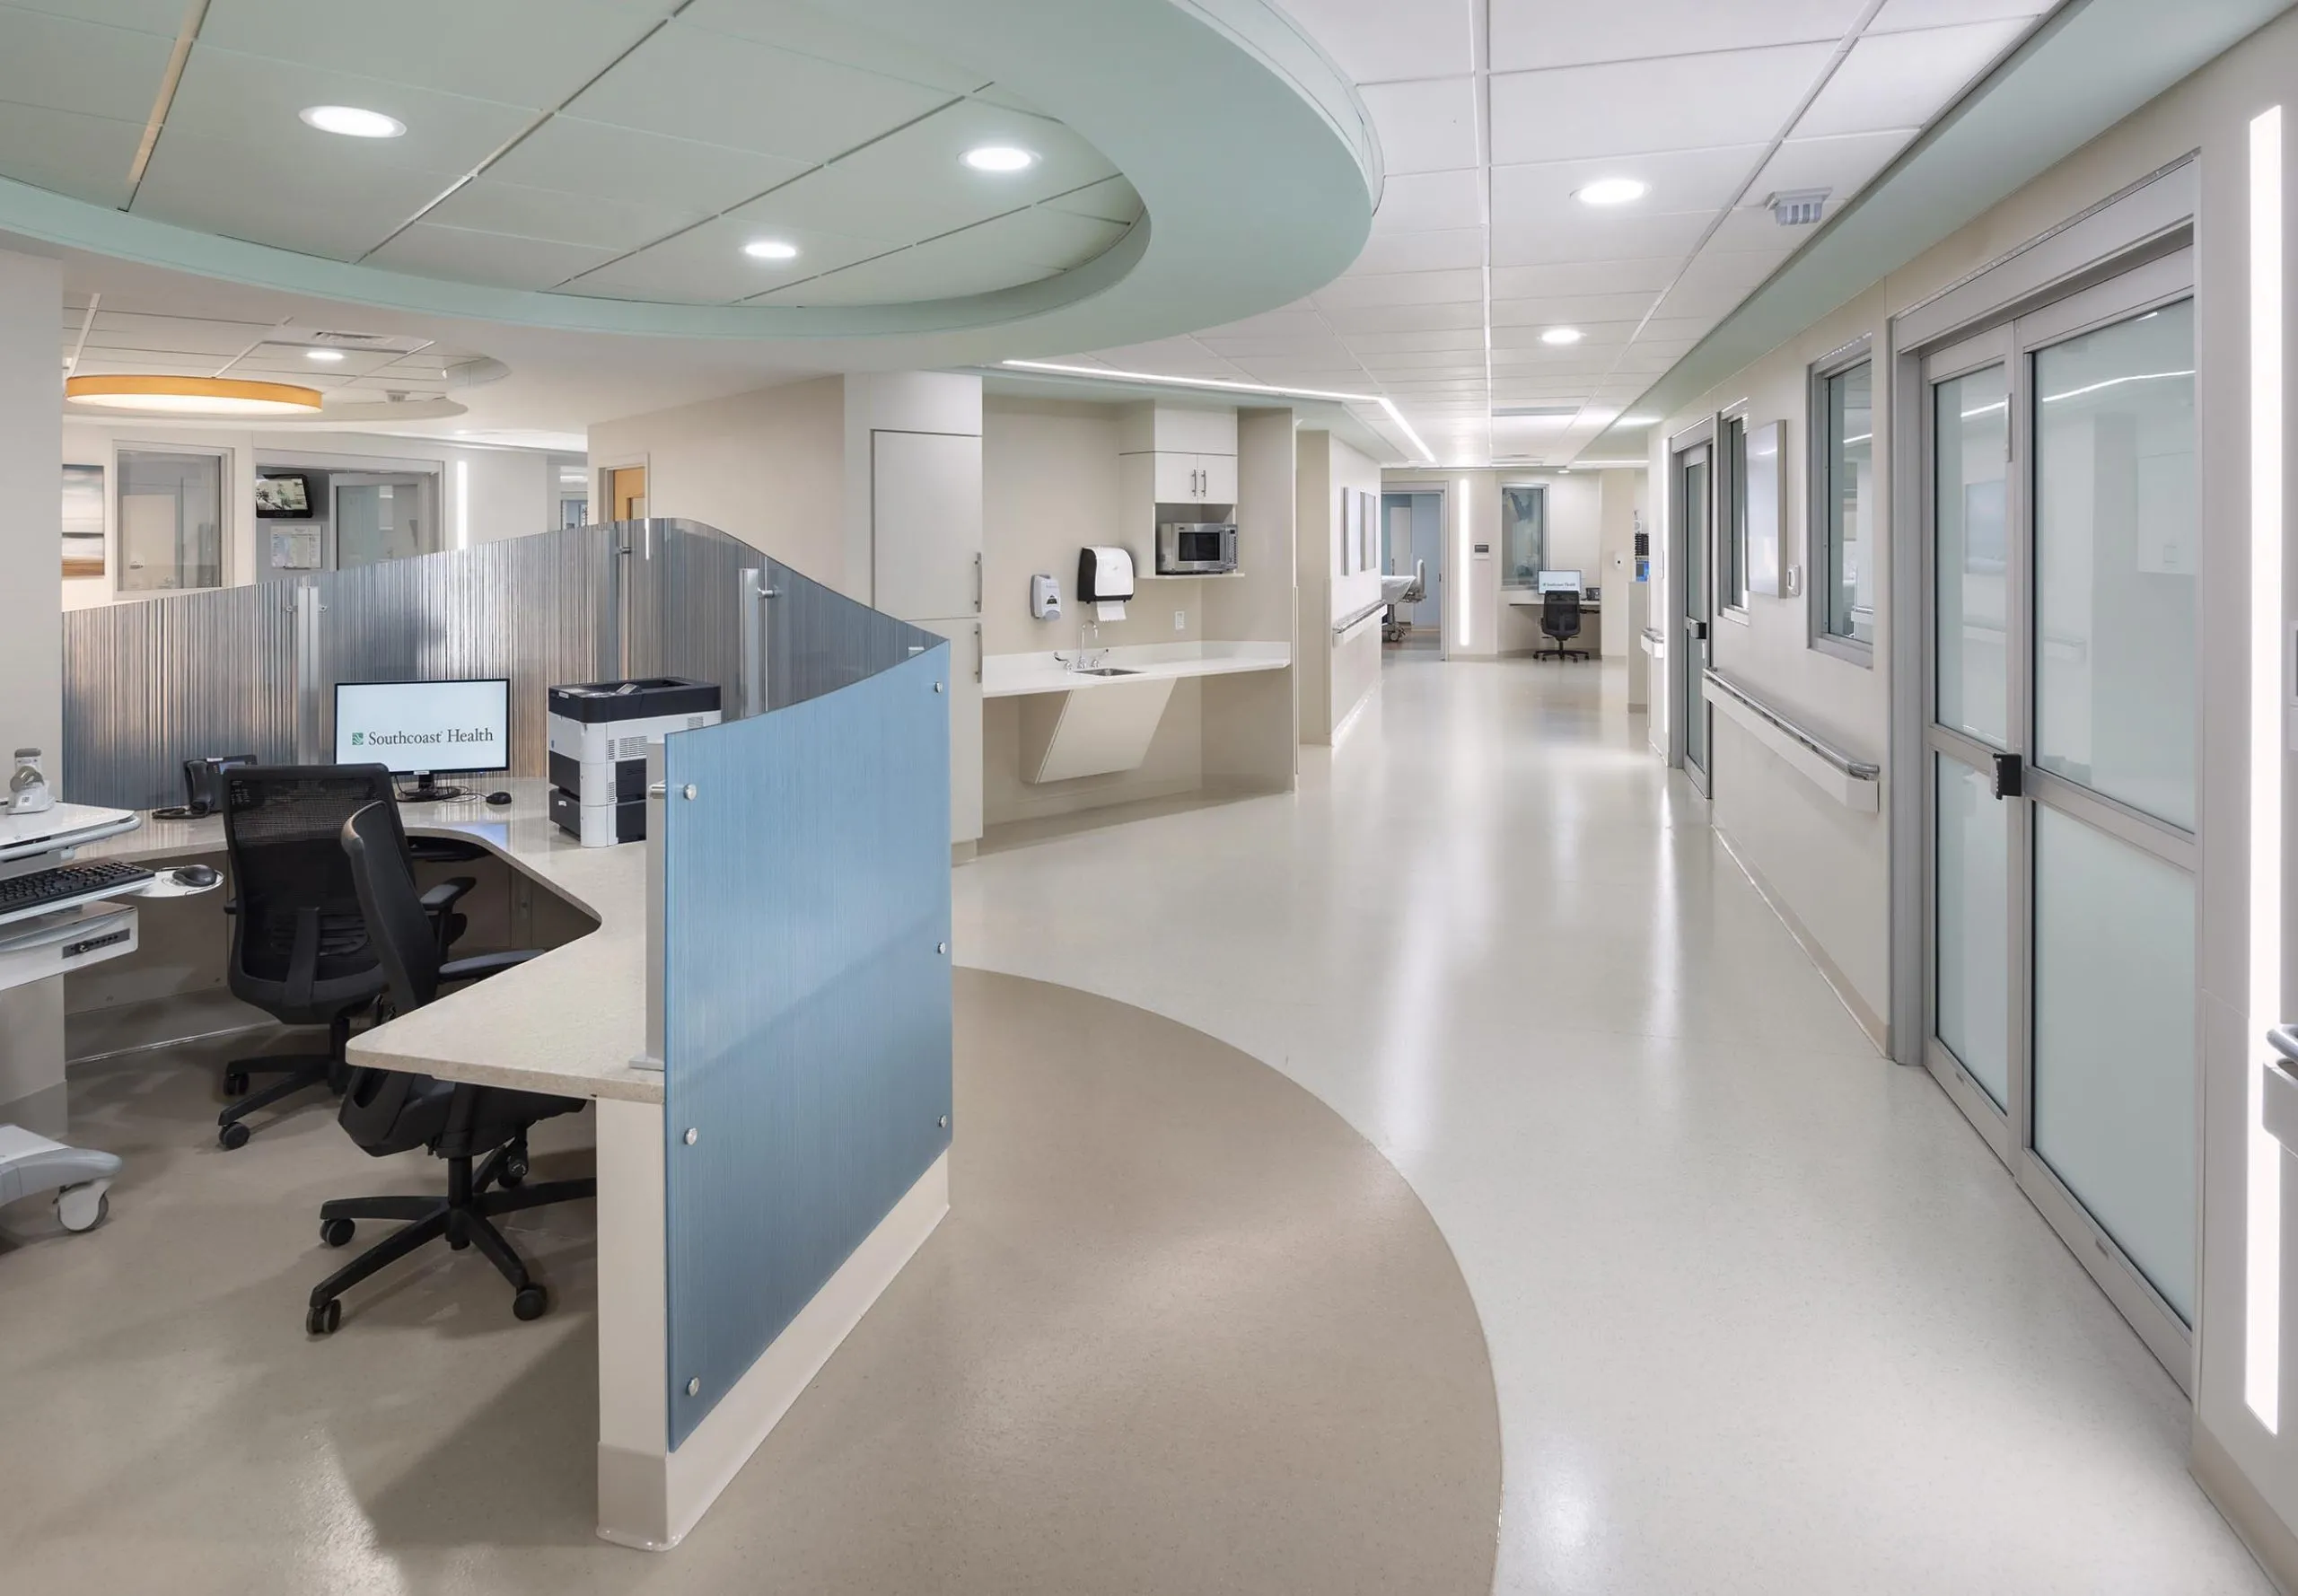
<point>337,1232</point>
<point>235,1082</point>
<point>513,1173</point>
<point>232,1136</point>
<point>531,1302</point>
<point>323,1317</point>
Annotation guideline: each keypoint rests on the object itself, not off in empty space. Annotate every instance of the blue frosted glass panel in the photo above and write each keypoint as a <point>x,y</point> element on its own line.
<point>806,1001</point>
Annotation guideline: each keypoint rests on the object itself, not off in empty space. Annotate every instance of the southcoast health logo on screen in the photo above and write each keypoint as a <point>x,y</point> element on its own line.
<point>449,735</point>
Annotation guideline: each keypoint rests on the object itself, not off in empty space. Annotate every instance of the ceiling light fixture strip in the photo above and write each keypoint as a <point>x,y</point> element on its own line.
<point>195,17</point>
<point>1112,374</point>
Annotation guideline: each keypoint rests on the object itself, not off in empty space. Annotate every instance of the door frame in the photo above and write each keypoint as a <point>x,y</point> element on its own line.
<point>431,507</point>
<point>2158,272</point>
<point>1444,544</point>
<point>1677,567</point>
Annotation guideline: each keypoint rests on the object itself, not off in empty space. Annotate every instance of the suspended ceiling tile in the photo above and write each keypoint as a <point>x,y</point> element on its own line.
<point>1377,41</point>
<point>915,181</point>
<point>1536,33</point>
<point>119,363</point>
<point>1668,102</point>
<point>532,53</point>
<point>163,17</point>
<point>489,204</point>
<point>999,94</point>
<point>943,268</point>
<point>1303,321</point>
<point>123,329</point>
<point>1418,359</point>
<point>1425,202</point>
<point>1401,288</point>
<point>691,82</point>
<point>339,204</point>
<point>66,153</point>
<point>1113,200</point>
<point>1426,125</point>
<point>1897,15</point>
<point>707,264</point>
<point>573,155</point>
<point>1901,80</point>
<point>807,30</point>
<point>1843,165</point>
<point>1679,180</point>
<point>1684,330</point>
<point>1404,317</point>
<point>228,96</point>
<point>1453,248</point>
<point>1322,347</point>
<point>61,63</point>
<point>1753,230</point>
<point>469,255</point>
<point>1585,277</point>
<point>1168,356</point>
<point>1573,308</point>
<point>1367,343</point>
<point>1532,241</point>
<point>281,356</point>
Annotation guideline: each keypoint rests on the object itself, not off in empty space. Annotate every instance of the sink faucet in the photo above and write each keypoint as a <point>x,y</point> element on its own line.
<point>1088,653</point>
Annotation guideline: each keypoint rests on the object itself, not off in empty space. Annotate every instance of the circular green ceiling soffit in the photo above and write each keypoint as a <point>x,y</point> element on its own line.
<point>1253,156</point>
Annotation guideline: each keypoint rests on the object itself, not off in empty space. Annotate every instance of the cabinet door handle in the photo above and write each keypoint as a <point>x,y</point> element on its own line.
<point>978,659</point>
<point>977,585</point>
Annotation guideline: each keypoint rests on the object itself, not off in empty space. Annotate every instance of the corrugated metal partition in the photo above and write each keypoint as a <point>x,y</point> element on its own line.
<point>805,989</point>
<point>150,683</point>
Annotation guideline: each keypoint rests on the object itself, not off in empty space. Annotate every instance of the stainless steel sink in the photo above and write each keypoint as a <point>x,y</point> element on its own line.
<point>1106,670</point>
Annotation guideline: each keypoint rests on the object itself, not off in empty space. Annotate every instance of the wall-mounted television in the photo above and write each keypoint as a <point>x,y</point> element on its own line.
<point>284,495</point>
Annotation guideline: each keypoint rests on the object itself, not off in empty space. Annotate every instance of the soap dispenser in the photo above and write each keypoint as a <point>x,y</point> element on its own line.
<point>1045,596</point>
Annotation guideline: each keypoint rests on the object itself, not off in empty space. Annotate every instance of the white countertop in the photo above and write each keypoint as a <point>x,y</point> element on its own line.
<point>1525,598</point>
<point>1013,675</point>
<point>569,1021</point>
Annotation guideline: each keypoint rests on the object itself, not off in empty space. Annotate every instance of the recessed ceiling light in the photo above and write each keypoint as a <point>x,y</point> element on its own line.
<point>352,122</point>
<point>325,356</point>
<point>1561,335</point>
<point>1611,191</point>
<point>770,249</point>
<point>1635,421</point>
<point>1000,158</point>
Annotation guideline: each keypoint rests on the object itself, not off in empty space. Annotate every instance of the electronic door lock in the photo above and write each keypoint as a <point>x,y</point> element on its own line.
<point>1698,630</point>
<point>2010,777</point>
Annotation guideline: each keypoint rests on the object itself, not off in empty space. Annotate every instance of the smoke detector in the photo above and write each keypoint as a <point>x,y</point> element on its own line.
<point>1798,208</point>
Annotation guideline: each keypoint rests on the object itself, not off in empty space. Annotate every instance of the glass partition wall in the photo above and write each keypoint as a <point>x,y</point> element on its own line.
<point>1524,534</point>
<point>2062,529</point>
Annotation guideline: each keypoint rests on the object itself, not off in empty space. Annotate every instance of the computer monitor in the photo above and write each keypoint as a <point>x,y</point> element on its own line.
<point>422,728</point>
<point>1559,582</point>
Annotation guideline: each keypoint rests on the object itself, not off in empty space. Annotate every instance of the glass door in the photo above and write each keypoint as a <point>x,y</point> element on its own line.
<point>2063,518</point>
<point>381,517</point>
<point>1695,505</point>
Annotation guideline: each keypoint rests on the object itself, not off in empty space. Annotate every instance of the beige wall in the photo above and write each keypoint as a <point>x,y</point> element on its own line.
<point>1331,688</point>
<point>1834,877</point>
<point>768,467</point>
<point>1577,541</point>
<point>1619,506</point>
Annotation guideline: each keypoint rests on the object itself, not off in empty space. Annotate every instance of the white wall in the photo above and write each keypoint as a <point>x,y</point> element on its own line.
<point>31,637</point>
<point>1619,504</point>
<point>768,467</point>
<point>1484,622</point>
<point>1834,877</point>
<point>509,492</point>
<point>1335,679</point>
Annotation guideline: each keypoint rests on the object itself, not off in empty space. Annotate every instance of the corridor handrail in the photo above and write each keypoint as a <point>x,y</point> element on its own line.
<point>1857,769</point>
<point>1357,617</point>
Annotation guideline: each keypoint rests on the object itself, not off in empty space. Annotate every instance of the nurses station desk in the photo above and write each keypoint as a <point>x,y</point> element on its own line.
<point>762,1017</point>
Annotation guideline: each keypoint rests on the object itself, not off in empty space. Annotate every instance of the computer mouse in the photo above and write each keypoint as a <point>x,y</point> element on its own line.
<point>196,875</point>
<point>498,799</point>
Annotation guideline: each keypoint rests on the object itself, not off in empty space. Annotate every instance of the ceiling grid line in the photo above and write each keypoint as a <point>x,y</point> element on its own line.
<point>195,17</point>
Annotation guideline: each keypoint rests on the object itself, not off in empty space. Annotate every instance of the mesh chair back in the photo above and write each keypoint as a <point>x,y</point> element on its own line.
<point>297,925</point>
<point>405,942</point>
<point>1560,614</point>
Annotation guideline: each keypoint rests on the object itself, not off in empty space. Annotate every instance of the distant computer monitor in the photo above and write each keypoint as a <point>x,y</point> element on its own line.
<point>420,728</point>
<point>1559,582</point>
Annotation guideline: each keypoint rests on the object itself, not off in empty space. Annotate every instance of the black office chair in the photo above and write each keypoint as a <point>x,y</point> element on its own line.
<point>299,947</point>
<point>389,1111</point>
<point>1560,621</point>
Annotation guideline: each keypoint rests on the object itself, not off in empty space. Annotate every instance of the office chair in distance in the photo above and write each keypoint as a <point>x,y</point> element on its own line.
<point>299,945</point>
<point>481,1131</point>
<point>1560,621</point>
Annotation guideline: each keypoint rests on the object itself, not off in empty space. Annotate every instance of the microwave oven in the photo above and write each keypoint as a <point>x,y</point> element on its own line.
<point>1196,547</point>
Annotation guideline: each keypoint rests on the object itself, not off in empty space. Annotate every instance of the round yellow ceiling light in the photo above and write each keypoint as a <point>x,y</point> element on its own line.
<point>192,396</point>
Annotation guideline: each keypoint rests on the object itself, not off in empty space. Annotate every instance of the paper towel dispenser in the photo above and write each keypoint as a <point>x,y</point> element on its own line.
<point>1104,576</point>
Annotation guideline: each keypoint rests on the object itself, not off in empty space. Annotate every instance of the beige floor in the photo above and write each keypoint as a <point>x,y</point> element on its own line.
<point>1183,1331</point>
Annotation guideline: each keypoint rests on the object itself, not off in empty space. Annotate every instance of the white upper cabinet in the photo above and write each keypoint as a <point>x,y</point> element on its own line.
<point>1179,456</point>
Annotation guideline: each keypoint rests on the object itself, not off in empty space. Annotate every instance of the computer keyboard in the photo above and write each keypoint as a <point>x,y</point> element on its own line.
<point>66,884</point>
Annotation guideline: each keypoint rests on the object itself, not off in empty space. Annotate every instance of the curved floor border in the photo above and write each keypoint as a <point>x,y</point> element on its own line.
<point>1183,1330</point>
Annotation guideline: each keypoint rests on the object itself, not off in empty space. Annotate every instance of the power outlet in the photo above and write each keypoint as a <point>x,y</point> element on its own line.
<point>1180,620</point>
